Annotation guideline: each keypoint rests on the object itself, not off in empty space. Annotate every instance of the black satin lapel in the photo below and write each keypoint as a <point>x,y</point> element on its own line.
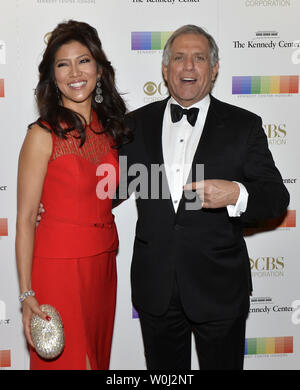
<point>153,133</point>
<point>213,125</point>
<point>153,144</point>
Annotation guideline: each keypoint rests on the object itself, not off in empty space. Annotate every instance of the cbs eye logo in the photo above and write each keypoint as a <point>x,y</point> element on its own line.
<point>151,88</point>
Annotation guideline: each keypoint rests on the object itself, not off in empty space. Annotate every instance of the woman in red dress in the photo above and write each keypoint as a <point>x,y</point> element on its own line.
<point>69,260</point>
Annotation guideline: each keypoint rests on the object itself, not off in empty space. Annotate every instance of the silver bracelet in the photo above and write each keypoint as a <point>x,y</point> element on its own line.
<point>25,295</point>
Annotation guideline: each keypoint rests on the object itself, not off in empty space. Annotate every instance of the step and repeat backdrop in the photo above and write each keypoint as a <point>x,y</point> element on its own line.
<point>259,43</point>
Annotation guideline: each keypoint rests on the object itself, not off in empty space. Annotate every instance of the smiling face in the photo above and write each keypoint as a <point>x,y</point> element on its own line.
<point>189,73</point>
<point>76,73</point>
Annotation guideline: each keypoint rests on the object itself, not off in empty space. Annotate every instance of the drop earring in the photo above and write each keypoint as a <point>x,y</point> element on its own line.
<point>98,96</point>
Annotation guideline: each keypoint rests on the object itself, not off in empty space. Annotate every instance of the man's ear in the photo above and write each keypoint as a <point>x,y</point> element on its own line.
<point>164,69</point>
<point>215,71</point>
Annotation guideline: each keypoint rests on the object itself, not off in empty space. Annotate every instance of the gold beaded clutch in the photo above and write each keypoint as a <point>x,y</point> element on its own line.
<point>48,336</point>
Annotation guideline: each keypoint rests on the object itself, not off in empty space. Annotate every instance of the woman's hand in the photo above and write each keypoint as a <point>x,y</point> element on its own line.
<point>29,307</point>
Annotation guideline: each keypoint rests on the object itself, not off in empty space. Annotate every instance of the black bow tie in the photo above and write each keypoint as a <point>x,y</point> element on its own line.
<point>177,113</point>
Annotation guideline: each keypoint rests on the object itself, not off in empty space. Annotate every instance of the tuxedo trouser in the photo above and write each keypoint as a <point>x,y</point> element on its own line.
<point>167,340</point>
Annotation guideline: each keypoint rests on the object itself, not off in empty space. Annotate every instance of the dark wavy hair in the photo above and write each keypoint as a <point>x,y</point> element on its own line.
<point>111,112</point>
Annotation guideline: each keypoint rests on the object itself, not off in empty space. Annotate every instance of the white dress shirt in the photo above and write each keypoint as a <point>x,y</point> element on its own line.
<point>179,142</point>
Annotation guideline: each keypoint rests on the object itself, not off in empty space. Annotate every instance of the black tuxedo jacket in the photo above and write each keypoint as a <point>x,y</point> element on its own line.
<point>204,249</point>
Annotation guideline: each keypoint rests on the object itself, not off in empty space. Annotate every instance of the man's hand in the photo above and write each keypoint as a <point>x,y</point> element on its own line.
<point>215,193</point>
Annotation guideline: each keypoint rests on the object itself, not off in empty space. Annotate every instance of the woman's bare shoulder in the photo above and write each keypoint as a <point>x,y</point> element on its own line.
<point>39,139</point>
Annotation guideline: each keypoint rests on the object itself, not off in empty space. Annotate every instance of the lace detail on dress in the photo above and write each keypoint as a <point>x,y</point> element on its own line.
<point>95,147</point>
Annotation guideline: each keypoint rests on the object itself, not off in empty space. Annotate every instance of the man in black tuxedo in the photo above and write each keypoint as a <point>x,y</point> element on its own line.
<point>190,268</point>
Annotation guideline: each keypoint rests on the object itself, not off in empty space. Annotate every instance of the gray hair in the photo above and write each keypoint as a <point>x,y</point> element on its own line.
<point>191,29</point>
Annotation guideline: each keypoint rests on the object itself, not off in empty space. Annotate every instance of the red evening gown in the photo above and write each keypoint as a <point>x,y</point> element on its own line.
<point>74,264</point>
